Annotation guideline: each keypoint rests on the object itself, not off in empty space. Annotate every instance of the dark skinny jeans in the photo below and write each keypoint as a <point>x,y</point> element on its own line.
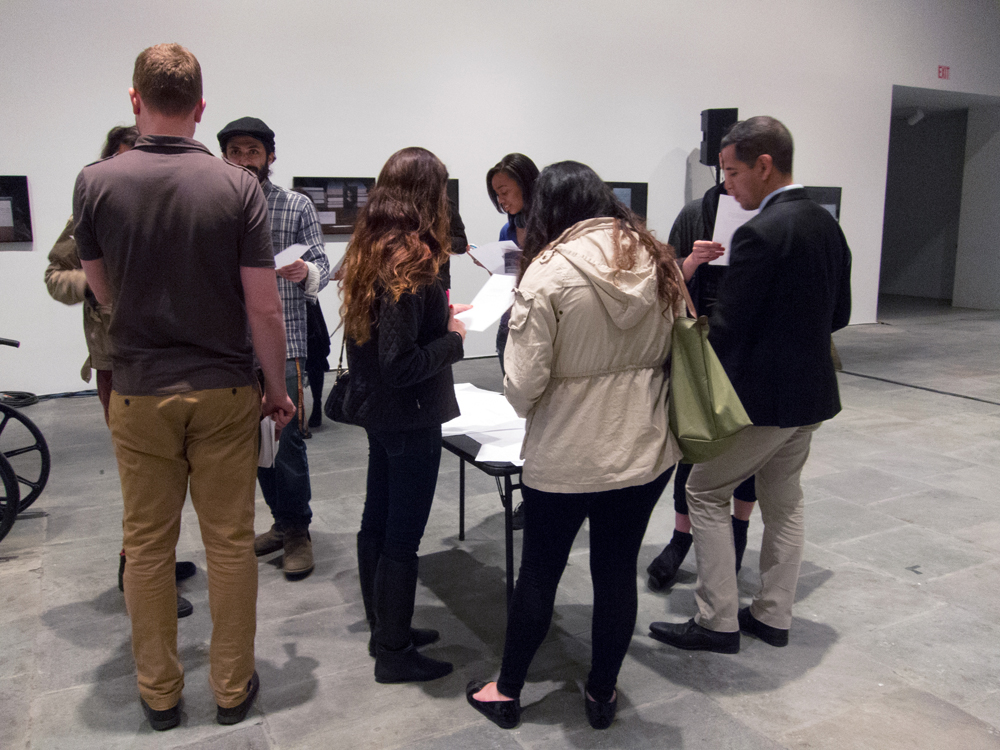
<point>402,475</point>
<point>618,520</point>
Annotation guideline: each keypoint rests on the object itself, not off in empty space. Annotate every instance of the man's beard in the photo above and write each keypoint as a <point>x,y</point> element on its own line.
<point>262,172</point>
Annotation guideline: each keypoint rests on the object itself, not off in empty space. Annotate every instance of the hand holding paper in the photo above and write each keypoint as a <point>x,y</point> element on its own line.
<point>492,256</point>
<point>492,301</point>
<point>728,219</point>
<point>290,254</point>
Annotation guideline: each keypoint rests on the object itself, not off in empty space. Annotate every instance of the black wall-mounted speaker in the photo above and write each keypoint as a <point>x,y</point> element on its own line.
<point>714,124</point>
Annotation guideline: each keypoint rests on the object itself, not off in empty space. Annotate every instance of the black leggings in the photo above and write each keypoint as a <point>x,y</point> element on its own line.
<point>618,520</point>
<point>746,491</point>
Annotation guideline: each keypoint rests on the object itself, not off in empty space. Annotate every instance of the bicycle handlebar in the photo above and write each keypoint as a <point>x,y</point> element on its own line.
<point>10,342</point>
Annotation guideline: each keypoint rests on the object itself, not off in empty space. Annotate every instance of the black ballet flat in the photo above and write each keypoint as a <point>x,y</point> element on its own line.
<point>505,714</point>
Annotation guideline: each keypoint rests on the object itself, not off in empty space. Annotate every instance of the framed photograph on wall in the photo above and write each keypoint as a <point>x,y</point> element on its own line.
<point>15,210</point>
<point>827,197</point>
<point>632,194</point>
<point>337,199</point>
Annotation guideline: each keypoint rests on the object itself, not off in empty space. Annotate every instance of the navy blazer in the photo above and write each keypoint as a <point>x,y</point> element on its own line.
<point>788,288</point>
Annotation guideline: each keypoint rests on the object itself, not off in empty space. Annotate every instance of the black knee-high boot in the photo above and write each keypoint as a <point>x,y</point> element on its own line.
<point>740,540</point>
<point>396,657</point>
<point>369,552</point>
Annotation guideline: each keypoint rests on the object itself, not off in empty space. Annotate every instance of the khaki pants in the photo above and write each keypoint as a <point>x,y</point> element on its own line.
<point>775,456</point>
<point>210,438</point>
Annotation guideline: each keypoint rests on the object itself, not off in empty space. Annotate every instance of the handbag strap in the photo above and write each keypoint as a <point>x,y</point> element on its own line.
<point>685,292</point>
<point>340,362</point>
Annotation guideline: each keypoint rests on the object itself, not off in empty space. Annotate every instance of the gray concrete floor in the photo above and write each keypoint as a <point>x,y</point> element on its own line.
<point>895,643</point>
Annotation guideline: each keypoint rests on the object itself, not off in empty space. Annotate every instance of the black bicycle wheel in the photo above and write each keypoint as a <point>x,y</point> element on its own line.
<point>24,447</point>
<point>10,494</point>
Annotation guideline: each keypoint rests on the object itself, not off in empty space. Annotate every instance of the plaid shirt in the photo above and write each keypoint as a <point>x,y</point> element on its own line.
<point>293,219</point>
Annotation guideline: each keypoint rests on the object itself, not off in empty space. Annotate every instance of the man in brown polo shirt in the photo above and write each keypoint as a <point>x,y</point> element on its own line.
<point>179,241</point>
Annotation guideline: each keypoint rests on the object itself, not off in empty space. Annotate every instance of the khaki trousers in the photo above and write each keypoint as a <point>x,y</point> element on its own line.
<point>207,438</point>
<point>775,456</point>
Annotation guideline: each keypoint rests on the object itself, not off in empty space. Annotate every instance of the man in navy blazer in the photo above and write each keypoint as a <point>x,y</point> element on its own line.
<point>788,288</point>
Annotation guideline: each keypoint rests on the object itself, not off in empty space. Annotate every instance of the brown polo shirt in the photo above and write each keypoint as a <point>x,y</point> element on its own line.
<point>174,225</point>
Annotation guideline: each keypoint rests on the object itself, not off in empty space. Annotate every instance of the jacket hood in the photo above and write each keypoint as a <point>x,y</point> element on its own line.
<point>626,295</point>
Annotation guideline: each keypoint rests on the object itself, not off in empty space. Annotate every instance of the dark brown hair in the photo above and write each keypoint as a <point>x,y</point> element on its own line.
<point>118,135</point>
<point>758,136</point>
<point>168,78</point>
<point>401,238</point>
<point>569,192</point>
<point>521,170</point>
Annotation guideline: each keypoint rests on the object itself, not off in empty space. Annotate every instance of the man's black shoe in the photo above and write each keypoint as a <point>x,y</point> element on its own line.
<point>236,714</point>
<point>693,637</point>
<point>184,607</point>
<point>162,720</point>
<point>184,570</point>
<point>750,624</point>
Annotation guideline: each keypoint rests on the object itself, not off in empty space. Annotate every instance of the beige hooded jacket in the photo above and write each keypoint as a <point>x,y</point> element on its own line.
<point>584,365</point>
<point>67,283</point>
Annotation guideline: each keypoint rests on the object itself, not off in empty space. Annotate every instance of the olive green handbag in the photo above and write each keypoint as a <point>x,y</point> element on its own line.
<point>704,411</point>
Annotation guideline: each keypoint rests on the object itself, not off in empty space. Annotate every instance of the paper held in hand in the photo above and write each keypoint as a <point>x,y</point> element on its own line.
<point>268,444</point>
<point>492,301</point>
<point>728,219</point>
<point>493,256</point>
<point>290,254</point>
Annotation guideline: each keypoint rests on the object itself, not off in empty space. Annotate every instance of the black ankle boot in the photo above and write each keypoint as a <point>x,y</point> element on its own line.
<point>740,540</point>
<point>665,565</point>
<point>396,657</point>
<point>407,665</point>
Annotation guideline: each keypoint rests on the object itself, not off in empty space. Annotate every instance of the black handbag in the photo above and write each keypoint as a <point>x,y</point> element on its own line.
<point>334,407</point>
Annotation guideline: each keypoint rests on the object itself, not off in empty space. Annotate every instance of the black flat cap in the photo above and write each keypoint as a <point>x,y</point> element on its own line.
<point>250,126</point>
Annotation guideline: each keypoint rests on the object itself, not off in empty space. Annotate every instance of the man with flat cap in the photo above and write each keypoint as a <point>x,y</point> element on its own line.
<point>788,288</point>
<point>249,143</point>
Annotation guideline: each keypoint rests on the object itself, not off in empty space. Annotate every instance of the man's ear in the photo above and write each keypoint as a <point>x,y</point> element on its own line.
<point>270,158</point>
<point>133,96</point>
<point>765,166</point>
<point>199,110</point>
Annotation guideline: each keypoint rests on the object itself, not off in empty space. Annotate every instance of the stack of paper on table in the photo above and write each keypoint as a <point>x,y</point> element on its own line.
<point>488,419</point>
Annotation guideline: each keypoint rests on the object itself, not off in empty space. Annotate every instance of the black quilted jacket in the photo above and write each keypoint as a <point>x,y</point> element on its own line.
<point>401,377</point>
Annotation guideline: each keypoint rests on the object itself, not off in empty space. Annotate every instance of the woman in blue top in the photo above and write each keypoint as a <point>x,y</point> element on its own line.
<point>509,184</point>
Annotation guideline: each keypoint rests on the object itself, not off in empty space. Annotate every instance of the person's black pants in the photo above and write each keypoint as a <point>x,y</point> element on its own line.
<point>618,520</point>
<point>745,491</point>
<point>402,475</point>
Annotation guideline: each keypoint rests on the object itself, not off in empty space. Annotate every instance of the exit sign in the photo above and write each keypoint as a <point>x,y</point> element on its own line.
<point>944,72</point>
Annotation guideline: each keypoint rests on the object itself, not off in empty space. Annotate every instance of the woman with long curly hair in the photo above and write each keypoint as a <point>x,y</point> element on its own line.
<point>402,339</point>
<point>589,334</point>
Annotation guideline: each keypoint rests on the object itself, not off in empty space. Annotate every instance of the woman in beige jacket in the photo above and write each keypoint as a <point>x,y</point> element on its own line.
<point>589,335</point>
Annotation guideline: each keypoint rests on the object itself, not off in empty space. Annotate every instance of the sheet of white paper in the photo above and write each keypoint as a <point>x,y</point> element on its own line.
<point>492,256</point>
<point>500,445</point>
<point>335,252</point>
<point>728,219</point>
<point>6,212</point>
<point>492,301</point>
<point>290,254</point>
<point>490,420</point>
<point>268,444</point>
<point>482,412</point>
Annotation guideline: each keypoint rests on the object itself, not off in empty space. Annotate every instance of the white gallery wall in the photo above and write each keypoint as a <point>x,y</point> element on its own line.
<point>344,84</point>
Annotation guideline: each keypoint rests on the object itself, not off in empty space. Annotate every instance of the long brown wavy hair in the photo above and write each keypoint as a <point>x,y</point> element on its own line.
<point>569,192</point>
<point>401,237</point>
